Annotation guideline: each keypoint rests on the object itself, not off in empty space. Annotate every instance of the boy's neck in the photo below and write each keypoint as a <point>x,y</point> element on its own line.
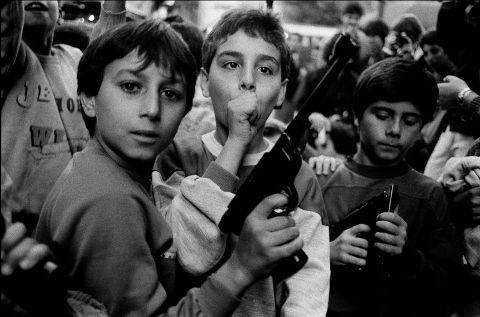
<point>142,169</point>
<point>362,158</point>
<point>38,44</point>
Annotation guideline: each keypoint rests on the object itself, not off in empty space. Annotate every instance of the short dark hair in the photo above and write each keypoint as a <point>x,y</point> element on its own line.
<point>254,23</point>
<point>396,79</point>
<point>353,8</point>
<point>376,27</point>
<point>409,24</point>
<point>155,41</point>
<point>192,35</point>
<point>429,37</point>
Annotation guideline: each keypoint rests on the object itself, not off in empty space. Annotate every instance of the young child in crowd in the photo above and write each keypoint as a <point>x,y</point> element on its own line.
<point>42,126</point>
<point>99,219</point>
<point>245,66</point>
<point>392,101</point>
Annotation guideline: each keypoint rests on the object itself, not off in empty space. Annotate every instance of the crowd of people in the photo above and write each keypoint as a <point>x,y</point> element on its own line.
<point>123,145</point>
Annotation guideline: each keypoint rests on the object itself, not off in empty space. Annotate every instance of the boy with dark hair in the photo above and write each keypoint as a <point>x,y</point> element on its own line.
<point>351,14</point>
<point>99,219</point>
<point>392,100</point>
<point>245,70</point>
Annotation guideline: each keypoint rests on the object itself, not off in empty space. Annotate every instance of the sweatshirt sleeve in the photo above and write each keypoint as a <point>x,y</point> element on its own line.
<point>106,21</point>
<point>435,262</point>
<point>308,289</point>
<point>194,213</point>
<point>103,244</point>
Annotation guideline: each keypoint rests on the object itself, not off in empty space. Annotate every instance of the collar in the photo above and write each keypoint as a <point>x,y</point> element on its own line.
<point>214,147</point>
<point>377,171</point>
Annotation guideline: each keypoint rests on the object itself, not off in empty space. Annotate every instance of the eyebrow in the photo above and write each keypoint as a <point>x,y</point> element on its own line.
<point>390,111</point>
<point>138,73</point>
<point>262,57</point>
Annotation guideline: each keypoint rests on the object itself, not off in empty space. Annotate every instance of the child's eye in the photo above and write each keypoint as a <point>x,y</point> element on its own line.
<point>410,121</point>
<point>130,87</point>
<point>381,115</point>
<point>170,94</point>
<point>265,70</point>
<point>230,65</point>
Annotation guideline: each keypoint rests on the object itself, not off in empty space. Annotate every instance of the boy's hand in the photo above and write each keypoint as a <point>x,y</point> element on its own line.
<point>18,250</point>
<point>348,248</point>
<point>448,92</point>
<point>391,233</point>
<point>242,114</point>
<point>323,164</point>
<point>467,203</point>
<point>263,242</point>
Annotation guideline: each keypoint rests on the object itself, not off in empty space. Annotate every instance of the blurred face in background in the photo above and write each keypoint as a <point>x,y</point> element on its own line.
<point>437,59</point>
<point>40,17</point>
<point>350,21</point>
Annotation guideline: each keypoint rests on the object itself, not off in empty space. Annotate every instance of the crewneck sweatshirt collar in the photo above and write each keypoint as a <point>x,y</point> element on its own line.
<point>377,171</point>
<point>215,148</point>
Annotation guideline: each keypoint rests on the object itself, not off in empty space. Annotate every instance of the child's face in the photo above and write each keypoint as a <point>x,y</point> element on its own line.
<point>386,131</point>
<point>137,112</point>
<point>42,15</point>
<point>244,63</point>
<point>435,57</point>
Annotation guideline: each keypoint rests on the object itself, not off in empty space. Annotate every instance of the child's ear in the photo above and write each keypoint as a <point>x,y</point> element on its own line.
<point>88,105</point>
<point>355,122</point>
<point>281,94</point>
<point>204,82</point>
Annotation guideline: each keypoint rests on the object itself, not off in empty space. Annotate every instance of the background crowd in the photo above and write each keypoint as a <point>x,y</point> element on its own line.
<point>96,222</point>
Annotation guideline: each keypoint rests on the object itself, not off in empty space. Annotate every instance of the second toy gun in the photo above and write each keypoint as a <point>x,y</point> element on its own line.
<point>367,214</point>
<point>277,169</point>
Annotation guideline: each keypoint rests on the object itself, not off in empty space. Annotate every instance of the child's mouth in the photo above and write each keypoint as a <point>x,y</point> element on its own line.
<point>36,6</point>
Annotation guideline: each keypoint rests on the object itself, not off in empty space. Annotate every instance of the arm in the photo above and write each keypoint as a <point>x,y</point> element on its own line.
<point>435,260</point>
<point>242,119</point>
<point>188,202</point>
<point>112,13</point>
<point>309,288</point>
<point>449,91</point>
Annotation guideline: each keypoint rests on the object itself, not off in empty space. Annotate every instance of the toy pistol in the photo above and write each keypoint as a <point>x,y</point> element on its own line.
<point>367,214</point>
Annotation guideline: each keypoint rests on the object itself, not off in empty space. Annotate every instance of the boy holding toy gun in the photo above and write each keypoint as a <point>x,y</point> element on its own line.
<point>417,242</point>
<point>245,66</point>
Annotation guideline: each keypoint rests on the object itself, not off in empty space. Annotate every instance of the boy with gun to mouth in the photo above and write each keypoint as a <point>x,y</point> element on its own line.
<point>245,66</point>
<point>417,242</point>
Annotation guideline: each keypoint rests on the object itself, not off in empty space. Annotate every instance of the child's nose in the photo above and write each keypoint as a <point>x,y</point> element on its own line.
<point>151,106</point>
<point>394,128</point>
<point>247,80</point>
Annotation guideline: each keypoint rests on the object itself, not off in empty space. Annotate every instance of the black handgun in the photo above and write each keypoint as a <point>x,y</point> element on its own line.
<point>276,170</point>
<point>367,214</point>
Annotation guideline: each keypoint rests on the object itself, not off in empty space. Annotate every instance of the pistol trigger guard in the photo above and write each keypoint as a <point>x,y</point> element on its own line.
<point>292,197</point>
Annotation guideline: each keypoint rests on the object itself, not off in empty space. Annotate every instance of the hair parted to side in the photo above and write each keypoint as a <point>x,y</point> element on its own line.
<point>254,23</point>
<point>155,42</point>
<point>396,79</point>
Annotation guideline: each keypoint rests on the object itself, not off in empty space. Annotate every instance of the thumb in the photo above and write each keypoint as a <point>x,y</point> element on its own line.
<point>268,204</point>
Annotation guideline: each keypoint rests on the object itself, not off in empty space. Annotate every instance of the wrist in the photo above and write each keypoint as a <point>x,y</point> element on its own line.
<point>231,156</point>
<point>234,276</point>
<point>462,95</point>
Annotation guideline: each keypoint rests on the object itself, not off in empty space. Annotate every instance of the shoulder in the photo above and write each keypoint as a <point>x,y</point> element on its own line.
<point>422,187</point>
<point>185,154</point>
<point>67,53</point>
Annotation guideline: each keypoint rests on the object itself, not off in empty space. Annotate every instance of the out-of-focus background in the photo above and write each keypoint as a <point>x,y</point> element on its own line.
<point>309,24</point>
